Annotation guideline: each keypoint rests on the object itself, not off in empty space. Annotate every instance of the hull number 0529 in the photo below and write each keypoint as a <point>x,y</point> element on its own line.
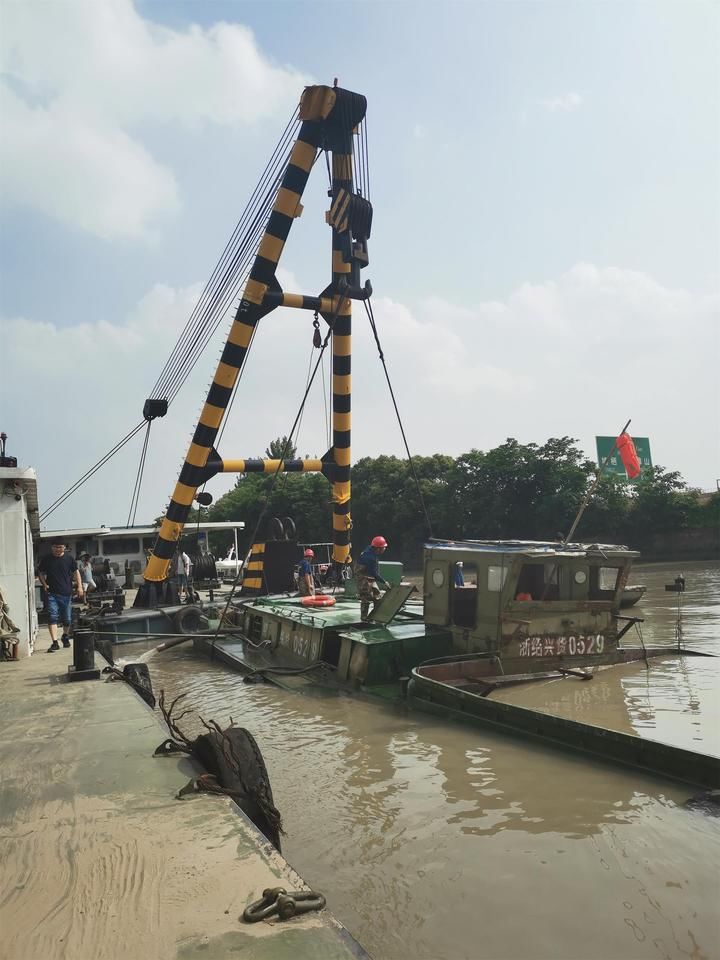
<point>562,646</point>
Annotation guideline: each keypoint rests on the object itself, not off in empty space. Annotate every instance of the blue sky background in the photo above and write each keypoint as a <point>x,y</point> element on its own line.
<point>546,243</point>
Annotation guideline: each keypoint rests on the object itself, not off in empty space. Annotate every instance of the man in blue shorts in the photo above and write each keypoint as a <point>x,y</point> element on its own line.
<point>57,573</point>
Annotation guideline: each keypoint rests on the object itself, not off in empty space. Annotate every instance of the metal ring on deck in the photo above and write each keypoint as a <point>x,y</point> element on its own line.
<point>277,900</point>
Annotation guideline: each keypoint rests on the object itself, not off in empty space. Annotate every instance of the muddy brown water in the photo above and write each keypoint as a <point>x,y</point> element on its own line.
<point>431,840</point>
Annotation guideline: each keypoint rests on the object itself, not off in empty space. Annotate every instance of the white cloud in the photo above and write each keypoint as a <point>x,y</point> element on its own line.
<point>566,103</point>
<point>79,81</point>
<point>439,356</point>
<point>92,176</point>
<point>573,356</point>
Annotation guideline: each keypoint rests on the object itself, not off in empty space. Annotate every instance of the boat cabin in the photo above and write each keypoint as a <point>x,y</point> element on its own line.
<point>526,600</point>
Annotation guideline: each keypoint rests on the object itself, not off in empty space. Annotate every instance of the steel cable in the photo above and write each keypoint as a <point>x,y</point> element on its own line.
<point>371,317</point>
<point>181,362</point>
<point>138,479</point>
<point>86,476</point>
<point>225,291</point>
<point>231,249</point>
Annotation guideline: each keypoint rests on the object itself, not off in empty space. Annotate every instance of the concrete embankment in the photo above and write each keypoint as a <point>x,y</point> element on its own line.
<point>101,861</point>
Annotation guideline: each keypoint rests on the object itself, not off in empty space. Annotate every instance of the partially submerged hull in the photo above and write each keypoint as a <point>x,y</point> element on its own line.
<point>294,646</point>
<point>462,689</point>
<point>493,614</point>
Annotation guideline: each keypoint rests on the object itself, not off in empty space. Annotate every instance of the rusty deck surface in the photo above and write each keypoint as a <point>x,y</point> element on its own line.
<point>101,861</point>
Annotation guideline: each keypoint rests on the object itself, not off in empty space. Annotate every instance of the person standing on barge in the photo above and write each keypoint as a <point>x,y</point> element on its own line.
<point>306,580</point>
<point>57,573</point>
<point>182,571</point>
<point>367,575</point>
<point>86,576</point>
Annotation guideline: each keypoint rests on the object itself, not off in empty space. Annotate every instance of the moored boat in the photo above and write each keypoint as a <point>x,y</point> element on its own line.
<point>632,594</point>
<point>523,608</point>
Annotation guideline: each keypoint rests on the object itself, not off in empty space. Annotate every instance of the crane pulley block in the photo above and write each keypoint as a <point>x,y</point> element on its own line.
<point>360,217</point>
<point>152,409</point>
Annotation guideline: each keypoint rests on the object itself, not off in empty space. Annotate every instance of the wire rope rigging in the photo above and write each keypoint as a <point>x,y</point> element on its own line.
<point>221,290</point>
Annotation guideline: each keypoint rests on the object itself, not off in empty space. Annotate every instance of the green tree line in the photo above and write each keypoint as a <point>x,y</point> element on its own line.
<point>514,491</point>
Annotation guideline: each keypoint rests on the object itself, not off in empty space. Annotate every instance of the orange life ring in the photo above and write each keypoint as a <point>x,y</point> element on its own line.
<point>319,600</point>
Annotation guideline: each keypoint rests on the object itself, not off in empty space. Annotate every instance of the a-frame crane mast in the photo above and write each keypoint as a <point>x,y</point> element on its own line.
<point>329,117</point>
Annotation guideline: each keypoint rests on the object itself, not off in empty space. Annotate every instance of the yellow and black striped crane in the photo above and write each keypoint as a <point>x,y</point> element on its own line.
<point>329,118</point>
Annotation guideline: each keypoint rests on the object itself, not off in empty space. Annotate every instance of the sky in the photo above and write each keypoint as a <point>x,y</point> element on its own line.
<point>545,253</point>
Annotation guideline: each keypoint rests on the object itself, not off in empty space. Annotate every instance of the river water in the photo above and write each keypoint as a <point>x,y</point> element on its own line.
<point>435,841</point>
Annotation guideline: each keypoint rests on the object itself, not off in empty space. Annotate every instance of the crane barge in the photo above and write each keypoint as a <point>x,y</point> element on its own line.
<point>524,611</point>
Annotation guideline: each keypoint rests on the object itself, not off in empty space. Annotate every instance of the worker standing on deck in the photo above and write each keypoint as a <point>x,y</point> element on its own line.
<point>58,573</point>
<point>86,576</point>
<point>182,571</point>
<point>367,575</point>
<point>306,580</point>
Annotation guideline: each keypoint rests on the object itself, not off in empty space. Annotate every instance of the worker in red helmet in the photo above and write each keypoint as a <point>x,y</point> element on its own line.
<point>367,575</point>
<point>306,580</point>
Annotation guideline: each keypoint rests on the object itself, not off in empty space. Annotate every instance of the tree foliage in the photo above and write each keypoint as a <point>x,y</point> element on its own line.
<point>514,491</point>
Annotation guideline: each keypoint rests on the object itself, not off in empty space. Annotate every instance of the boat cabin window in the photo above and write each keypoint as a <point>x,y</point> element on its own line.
<point>112,547</point>
<point>464,593</point>
<point>496,577</point>
<point>603,582</point>
<point>538,581</point>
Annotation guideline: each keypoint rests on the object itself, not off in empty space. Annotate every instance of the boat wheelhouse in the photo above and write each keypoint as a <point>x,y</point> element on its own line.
<point>528,602</point>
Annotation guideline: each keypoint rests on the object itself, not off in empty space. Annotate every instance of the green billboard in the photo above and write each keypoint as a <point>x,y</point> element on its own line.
<point>615,465</point>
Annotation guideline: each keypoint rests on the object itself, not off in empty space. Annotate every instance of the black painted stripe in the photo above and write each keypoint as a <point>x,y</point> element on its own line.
<point>341,402</point>
<point>258,466</point>
<point>342,509</point>
<point>204,436</point>
<point>343,325</point>
<point>342,474</point>
<point>341,439</point>
<point>342,366</point>
<point>279,225</point>
<point>234,355</point>
<point>164,549</point>
<point>269,232</point>
<point>295,178</point>
<point>192,476</point>
<point>219,396</point>
<point>263,270</point>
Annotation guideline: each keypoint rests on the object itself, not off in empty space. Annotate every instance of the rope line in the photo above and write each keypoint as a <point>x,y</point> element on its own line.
<point>371,317</point>
<point>138,479</point>
<point>86,476</point>
<point>235,248</point>
<point>229,274</point>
